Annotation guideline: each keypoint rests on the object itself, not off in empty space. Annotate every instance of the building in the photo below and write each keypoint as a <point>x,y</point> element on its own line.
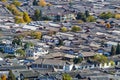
<point>35,52</point>
<point>56,65</point>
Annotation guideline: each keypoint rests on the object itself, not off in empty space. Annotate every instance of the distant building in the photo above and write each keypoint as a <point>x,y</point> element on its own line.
<point>36,52</point>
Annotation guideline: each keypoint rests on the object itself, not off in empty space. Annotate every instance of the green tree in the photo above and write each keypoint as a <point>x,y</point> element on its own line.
<point>17,41</point>
<point>57,18</point>
<point>11,56</point>
<point>118,49</point>
<point>35,3</point>
<point>102,44</point>
<point>46,18</point>
<point>63,29</point>
<point>66,77</point>
<point>112,63</point>
<point>37,15</point>
<point>60,42</point>
<point>28,45</point>
<point>20,52</point>
<point>113,50</point>
<point>76,28</point>
<point>77,60</point>
<point>11,76</point>
<point>100,58</point>
<point>90,19</point>
<point>81,16</point>
<point>106,15</point>
<point>87,13</point>
<point>26,17</point>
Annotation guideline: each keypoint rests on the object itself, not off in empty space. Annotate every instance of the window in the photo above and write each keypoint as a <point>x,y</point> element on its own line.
<point>60,67</point>
<point>40,65</point>
<point>56,66</point>
<point>34,65</point>
<point>49,66</point>
<point>44,66</point>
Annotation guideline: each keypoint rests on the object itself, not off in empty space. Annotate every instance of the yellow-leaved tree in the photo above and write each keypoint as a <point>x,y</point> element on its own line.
<point>108,25</point>
<point>42,3</point>
<point>117,16</point>
<point>26,17</point>
<point>3,77</point>
<point>3,0</point>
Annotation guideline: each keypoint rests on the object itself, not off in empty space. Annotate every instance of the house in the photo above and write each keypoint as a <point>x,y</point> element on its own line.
<point>87,55</point>
<point>68,24</point>
<point>110,43</point>
<point>7,48</point>
<point>28,74</point>
<point>67,43</point>
<point>46,78</point>
<point>57,65</point>
<point>59,56</point>
<point>35,52</point>
<point>50,76</point>
<point>46,38</point>
<point>94,65</point>
<point>28,27</point>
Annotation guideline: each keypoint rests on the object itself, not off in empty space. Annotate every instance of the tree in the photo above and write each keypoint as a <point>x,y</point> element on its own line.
<point>36,34</point>
<point>14,10</point>
<point>106,15</point>
<point>117,16</point>
<point>11,76</point>
<point>118,49</point>
<point>63,29</point>
<point>37,15</point>
<point>42,3</point>
<point>113,50</point>
<point>46,18</point>
<point>3,0</point>
<point>79,21</point>
<point>28,45</point>
<point>17,41</point>
<point>112,63</point>
<point>35,3</point>
<point>66,77</point>
<point>51,32</point>
<point>87,13</point>
<point>20,52</point>
<point>102,43</point>
<point>57,18</point>
<point>90,19</point>
<point>81,16</point>
<point>3,77</point>
<point>76,28</point>
<point>16,3</point>
<point>108,25</point>
<point>10,56</point>
<point>100,58</point>
<point>77,60</point>
<point>60,42</point>
<point>19,20</point>
<point>26,17</point>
